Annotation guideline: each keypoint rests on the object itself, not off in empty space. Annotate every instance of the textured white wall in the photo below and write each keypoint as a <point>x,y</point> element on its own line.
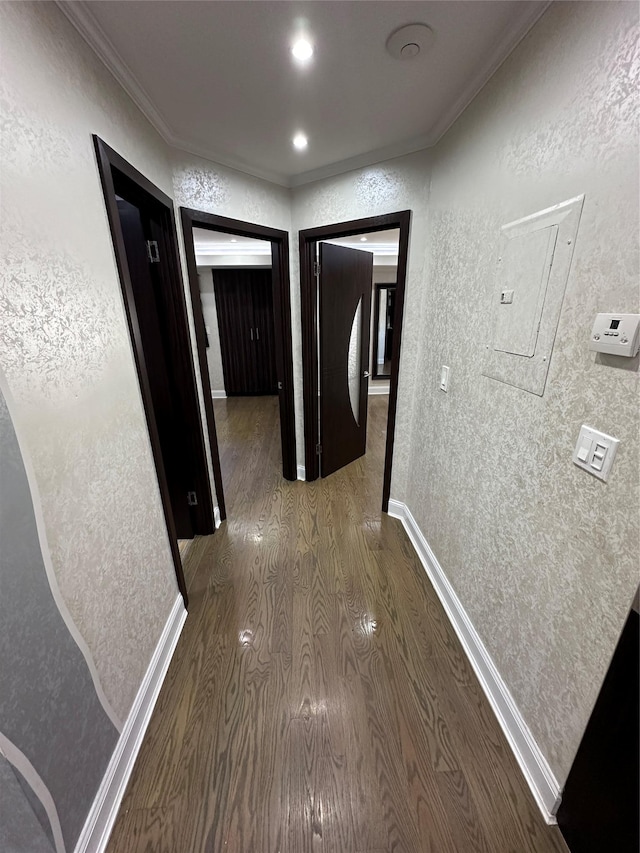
<point>210,314</point>
<point>399,184</point>
<point>64,343</point>
<point>543,556</point>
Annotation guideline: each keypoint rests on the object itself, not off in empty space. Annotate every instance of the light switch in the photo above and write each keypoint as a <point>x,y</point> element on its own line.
<point>444,378</point>
<point>595,451</point>
<point>584,450</point>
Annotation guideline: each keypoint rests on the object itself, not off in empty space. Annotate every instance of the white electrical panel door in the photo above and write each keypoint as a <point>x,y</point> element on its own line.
<point>531,274</point>
<point>524,268</point>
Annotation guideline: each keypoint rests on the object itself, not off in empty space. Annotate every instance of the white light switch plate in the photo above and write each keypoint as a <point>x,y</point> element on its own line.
<point>595,451</point>
<point>444,378</point>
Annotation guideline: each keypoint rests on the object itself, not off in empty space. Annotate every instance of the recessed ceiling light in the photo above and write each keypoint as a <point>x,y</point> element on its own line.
<point>363,239</point>
<point>302,50</point>
<point>233,240</point>
<point>300,141</point>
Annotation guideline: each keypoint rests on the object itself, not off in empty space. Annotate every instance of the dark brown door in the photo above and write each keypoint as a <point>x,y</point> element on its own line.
<point>345,310</point>
<point>155,317</point>
<point>264,339</point>
<point>600,808</point>
<point>244,304</point>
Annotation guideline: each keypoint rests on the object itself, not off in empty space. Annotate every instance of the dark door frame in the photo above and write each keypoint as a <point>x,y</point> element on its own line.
<point>382,285</point>
<point>309,310</point>
<point>111,164</point>
<point>282,321</point>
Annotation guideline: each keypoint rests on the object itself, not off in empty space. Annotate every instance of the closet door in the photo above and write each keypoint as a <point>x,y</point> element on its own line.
<point>262,297</point>
<point>234,305</point>
<point>244,304</point>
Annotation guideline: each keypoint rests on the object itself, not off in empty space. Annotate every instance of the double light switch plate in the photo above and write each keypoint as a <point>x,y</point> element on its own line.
<point>595,452</point>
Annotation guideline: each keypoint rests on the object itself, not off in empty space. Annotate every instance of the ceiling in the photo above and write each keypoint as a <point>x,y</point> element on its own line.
<point>217,79</point>
<point>215,243</point>
<point>383,244</point>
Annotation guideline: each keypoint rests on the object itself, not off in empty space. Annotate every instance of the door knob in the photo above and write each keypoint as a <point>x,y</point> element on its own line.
<point>365,374</point>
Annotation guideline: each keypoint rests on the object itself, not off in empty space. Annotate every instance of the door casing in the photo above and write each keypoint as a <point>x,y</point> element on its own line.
<point>308,239</point>
<point>282,326</point>
<point>110,165</point>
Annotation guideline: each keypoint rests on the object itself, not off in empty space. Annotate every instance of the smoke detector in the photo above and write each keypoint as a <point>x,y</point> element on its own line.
<point>409,41</point>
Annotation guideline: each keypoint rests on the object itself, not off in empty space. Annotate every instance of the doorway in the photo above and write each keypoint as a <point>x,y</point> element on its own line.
<point>256,304</point>
<point>143,231</point>
<point>344,279</point>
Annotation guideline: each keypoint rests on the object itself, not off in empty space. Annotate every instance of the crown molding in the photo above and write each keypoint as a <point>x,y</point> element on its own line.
<point>230,249</point>
<point>79,14</point>
<point>510,39</point>
<point>221,159</point>
<point>361,161</point>
<point>81,17</point>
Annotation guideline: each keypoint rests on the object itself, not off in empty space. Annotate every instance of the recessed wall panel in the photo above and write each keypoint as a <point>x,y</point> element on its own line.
<point>531,277</point>
<point>523,273</point>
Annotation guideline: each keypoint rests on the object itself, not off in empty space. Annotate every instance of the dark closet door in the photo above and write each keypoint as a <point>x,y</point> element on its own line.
<point>265,346</point>
<point>244,304</point>
<point>600,803</point>
<point>235,323</point>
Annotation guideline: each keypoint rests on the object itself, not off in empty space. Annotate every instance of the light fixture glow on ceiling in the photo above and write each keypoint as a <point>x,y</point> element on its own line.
<point>300,141</point>
<point>363,239</point>
<point>302,50</point>
<point>233,240</point>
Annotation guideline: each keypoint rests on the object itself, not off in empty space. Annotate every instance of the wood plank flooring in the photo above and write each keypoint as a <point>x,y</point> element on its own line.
<point>318,700</point>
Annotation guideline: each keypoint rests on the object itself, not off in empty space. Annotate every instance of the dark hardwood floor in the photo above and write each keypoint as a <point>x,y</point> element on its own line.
<point>318,701</point>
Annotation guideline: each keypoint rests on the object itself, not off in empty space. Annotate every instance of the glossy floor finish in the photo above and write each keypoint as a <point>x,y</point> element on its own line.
<point>318,699</point>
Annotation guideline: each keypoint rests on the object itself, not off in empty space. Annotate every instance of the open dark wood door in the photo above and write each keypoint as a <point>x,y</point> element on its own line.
<point>345,311</point>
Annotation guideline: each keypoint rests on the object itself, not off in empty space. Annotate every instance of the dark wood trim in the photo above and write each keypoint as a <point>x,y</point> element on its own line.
<point>201,346</point>
<point>108,160</point>
<point>284,353</point>
<point>381,285</point>
<point>307,242</point>
<point>282,320</point>
<point>309,322</point>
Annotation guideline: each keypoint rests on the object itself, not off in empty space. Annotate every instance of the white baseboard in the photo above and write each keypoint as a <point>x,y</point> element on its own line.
<point>376,389</point>
<point>103,812</point>
<point>219,395</point>
<point>302,474</point>
<point>536,770</point>
<point>216,517</point>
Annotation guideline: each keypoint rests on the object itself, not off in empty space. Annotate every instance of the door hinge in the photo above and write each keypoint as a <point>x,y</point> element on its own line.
<point>318,449</point>
<point>153,252</point>
<point>316,268</point>
<point>192,499</point>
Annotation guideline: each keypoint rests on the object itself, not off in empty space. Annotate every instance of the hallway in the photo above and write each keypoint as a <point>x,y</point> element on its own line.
<point>318,699</point>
